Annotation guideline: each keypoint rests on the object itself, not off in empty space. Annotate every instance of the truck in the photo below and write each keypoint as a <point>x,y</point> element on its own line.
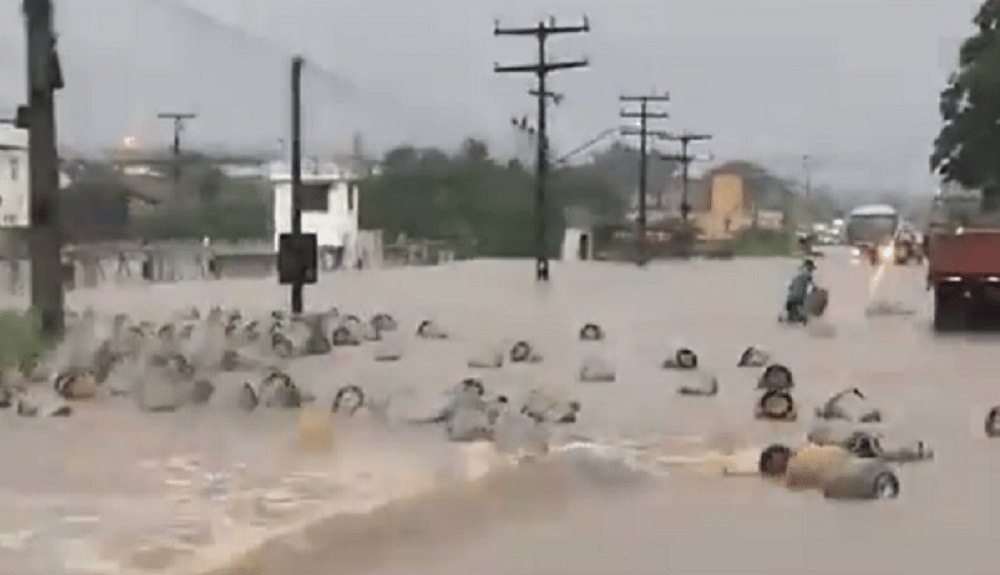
<point>963,259</point>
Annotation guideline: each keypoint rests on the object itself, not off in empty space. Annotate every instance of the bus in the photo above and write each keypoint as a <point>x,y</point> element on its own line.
<point>877,232</point>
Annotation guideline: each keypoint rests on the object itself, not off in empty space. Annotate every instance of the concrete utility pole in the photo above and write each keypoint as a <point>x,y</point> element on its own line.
<point>643,115</point>
<point>178,119</point>
<point>541,70</point>
<point>685,160</point>
<point>297,63</point>
<point>807,168</point>
<point>38,117</point>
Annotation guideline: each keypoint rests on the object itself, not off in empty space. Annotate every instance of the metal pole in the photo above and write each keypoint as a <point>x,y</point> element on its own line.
<point>297,62</point>
<point>44,241</point>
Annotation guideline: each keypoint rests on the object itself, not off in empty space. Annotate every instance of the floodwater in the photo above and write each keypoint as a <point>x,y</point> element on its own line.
<point>555,519</point>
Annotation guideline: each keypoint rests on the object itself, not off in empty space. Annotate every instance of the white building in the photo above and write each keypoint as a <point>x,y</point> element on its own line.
<point>15,191</point>
<point>13,177</point>
<point>329,202</point>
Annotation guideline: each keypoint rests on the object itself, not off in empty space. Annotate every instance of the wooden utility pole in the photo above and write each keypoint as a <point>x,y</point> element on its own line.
<point>178,120</point>
<point>643,115</point>
<point>541,70</point>
<point>297,63</point>
<point>38,117</point>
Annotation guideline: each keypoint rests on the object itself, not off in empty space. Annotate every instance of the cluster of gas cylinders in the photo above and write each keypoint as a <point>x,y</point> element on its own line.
<point>171,364</point>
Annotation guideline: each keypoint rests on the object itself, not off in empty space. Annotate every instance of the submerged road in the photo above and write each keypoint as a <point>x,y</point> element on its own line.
<point>929,388</point>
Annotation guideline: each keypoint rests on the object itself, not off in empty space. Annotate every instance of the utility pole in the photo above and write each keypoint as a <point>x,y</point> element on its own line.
<point>297,63</point>
<point>807,168</point>
<point>643,115</point>
<point>685,159</point>
<point>38,117</point>
<point>541,70</point>
<point>297,252</point>
<point>178,120</point>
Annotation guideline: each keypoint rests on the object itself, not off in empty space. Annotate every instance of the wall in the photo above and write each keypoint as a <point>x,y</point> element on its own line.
<point>13,177</point>
<point>571,245</point>
<point>369,248</point>
<point>727,194</point>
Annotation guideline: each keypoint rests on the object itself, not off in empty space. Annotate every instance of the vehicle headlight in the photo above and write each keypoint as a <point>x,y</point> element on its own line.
<point>887,252</point>
<point>856,252</point>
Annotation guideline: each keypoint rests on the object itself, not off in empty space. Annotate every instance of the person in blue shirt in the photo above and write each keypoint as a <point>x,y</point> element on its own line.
<point>798,289</point>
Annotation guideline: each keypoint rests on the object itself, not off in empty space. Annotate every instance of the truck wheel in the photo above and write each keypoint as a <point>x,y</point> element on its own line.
<point>950,313</point>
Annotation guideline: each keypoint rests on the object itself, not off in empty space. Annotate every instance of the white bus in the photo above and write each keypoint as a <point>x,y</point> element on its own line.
<point>871,225</point>
<point>877,232</point>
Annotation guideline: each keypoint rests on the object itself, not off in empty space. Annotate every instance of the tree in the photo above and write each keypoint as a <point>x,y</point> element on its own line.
<point>968,144</point>
<point>619,167</point>
<point>483,206</point>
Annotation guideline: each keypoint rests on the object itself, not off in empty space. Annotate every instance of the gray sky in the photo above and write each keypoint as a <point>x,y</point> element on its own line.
<point>852,82</point>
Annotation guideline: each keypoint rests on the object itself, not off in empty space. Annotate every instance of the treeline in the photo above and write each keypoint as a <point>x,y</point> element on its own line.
<point>479,204</point>
<point>102,203</point>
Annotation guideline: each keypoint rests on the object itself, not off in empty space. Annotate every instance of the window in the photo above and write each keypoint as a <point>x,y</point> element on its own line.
<point>350,196</point>
<point>14,169</point>
<point>314,197</point>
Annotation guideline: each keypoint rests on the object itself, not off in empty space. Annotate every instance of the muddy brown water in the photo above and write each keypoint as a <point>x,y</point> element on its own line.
<point>557,519</point>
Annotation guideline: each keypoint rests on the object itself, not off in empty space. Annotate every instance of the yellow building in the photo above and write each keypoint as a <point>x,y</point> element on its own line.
<point>730,209</point>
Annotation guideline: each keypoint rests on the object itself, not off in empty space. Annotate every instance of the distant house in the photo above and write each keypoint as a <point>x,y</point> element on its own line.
<point>738,196</point>
<point>93,207</point>
<point>329,203</point>
<point>13,177</point>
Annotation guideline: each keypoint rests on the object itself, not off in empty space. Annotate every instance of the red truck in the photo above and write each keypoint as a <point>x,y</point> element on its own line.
<point>963,256</point>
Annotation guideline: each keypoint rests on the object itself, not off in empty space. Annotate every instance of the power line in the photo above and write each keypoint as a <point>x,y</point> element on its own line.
<point>643,115</point>
<point>335,80</point>
<point>541,69</point>
<point>585,146</point>
<point>340,84</point>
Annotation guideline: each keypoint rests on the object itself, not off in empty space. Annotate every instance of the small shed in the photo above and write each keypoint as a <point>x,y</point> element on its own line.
<point>329,202</point>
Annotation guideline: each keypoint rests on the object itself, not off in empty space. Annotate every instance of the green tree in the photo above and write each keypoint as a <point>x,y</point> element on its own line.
<point>968,144</point>
<point>483,206</point>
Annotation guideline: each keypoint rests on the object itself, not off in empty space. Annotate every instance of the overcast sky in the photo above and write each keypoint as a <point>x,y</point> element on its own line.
<point>854,83</point>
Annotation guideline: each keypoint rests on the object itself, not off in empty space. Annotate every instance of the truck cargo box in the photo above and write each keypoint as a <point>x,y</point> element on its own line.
<point>968,253</point>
